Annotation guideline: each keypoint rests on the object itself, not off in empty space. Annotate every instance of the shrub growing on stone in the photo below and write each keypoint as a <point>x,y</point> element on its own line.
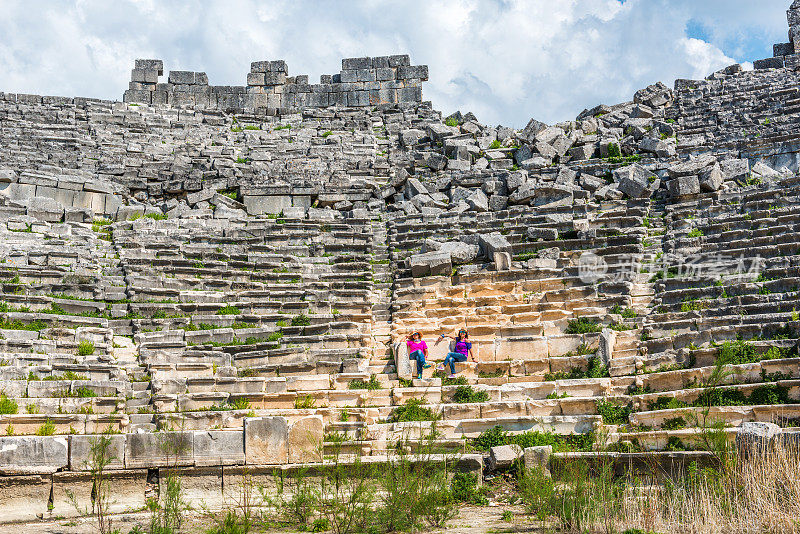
<point>412,410</point>
<point>372,384</point>
<point>47,429</point>
<point>466,394</point>
<point>85,348</point>
<point>301,320</point>
<point>8,406</point>
<point>613,414</point>
<point>583,326</point>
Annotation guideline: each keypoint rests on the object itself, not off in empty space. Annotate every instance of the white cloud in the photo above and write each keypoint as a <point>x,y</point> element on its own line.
<point>505,60</point>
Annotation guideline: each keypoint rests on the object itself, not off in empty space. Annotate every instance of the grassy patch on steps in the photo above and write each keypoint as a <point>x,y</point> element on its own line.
<point>583,326</point>
<point>412,410</point>
<point>768,394</point>
<point>741,352</point>
<point>497,436</point>
<point>594,369</point>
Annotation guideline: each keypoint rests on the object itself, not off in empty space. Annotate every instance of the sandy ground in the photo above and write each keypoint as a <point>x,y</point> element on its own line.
<point>470,520</point>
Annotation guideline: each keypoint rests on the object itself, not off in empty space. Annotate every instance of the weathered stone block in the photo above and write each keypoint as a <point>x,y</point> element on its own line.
<point>504,456</point>
<point>218,447</point>
<point>691,167</point>
<point>162,449</point>
<point>735,169</point>
<point>150,64</point>
<point>418,72</point>
<point>80,451</point>
<point>538,457</point>
<point>431,264</point>
<point>266,440</point>
<point>399,60</point>
<point>137,97</point>
<point>684,186</point>
<point>181,77</point>
<point>144,76</point>
<point>494,242</point>
<point>25,498</point>
<point>305,439</point>
<point>274,78</point>
<point>711,179</point>
<point>33,454</point>
<point>768,63</point>
<point>258,205</point>
<point>355,63</point>
<point>754,437</point>
<point>633,181</point>
<point>255,78</point>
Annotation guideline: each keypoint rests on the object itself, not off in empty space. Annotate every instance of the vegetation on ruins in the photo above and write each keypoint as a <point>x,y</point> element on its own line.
<point>101,455</point>
<point>301,320</point>
<point>412,410</point>
<point>168,508</point>
<point>48,428</point>
<point>7,406</point>
<point>736,494</point>
<point>85,348</point>
<point>594,369</point>
<point>371,384</point>
<point>612,413</point>
<point>583,325</point>
<point>467,394</point>
<point>497,436</point>
<point>741,352</point>
<point>412,491</point>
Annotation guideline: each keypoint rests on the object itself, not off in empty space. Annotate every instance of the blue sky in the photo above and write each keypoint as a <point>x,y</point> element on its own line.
<point>504,60</point>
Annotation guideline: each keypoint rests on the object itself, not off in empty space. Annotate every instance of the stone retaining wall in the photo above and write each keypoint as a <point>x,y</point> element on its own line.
<point>362,82</point>
<point>263,441</point>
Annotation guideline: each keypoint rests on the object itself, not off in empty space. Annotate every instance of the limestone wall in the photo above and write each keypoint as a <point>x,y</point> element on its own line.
<point>362,82</point>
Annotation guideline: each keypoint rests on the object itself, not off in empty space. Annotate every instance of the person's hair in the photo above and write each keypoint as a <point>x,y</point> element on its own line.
<point>416,334</point>
<point>466,334</point>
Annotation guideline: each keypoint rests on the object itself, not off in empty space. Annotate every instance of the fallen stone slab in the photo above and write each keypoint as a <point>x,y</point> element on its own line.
<point>711,179</point>
<point>684,186</point>
<point>431,264</point>
<point>504,456</point>
<point>494,242</point>
<point>692,167</point>
<point>634,181</point>
<point>460,252</point>
<point>735,169</point>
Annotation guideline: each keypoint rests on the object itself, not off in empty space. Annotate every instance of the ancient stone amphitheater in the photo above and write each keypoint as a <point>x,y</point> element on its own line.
<point>239,267</point>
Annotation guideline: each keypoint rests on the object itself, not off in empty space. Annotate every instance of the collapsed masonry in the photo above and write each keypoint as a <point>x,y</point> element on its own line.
<point>242,273</point>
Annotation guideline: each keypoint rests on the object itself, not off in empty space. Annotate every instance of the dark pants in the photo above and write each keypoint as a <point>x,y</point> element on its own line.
<point>453,357</point>
<point>420,357</point>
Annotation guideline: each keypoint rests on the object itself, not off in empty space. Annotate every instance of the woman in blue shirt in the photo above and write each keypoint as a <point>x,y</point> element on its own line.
<point>462,351</point>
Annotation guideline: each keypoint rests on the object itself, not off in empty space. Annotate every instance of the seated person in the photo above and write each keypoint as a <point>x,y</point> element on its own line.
<point>462,352</point>
<point>418,350</point>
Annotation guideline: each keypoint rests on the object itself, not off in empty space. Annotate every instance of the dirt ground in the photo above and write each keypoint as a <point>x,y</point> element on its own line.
<point>470,520</point>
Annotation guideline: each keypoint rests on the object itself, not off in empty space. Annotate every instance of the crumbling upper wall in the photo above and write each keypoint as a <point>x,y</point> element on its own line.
<point>362,82</point>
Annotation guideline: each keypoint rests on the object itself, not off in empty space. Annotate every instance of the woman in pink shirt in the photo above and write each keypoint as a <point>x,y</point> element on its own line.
<point>418,350</point>
<point>462,352</point>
